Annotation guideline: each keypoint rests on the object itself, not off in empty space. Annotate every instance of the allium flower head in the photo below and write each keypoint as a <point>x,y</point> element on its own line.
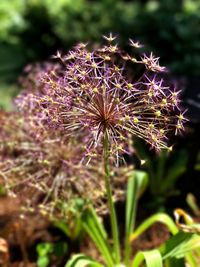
<point>40,102</point>
<point>46,175</point>
<point>103,91</point>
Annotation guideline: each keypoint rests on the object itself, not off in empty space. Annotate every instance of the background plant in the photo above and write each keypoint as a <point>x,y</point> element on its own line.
<point>47,171</point>
<point>164,171</point>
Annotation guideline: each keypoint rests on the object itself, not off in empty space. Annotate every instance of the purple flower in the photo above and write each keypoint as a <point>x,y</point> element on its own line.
<point>46,175</point>
<point>98,91</point>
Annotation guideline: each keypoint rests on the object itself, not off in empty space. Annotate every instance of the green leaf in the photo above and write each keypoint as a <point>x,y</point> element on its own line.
<point>80,260</point>
<point>192,259</point>
<point>152,258</point>
<point>179,245</point>
<point>98,234</point>
<point>136,186</point>
<point>173,262</point>
<point>62,226</point>
<point>192,202</point>
<point>44,249</point>
<point>43,261</point>
<point>160,217</point>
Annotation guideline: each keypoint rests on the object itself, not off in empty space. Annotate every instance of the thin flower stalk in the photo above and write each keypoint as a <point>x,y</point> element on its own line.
<point>113,217</point>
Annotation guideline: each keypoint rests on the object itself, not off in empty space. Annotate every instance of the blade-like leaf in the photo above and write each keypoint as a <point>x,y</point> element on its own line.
<point>136,186</point>
<point>160,217</point>
<point>152,258</point>
<point>179,245</point>
<point>173,262</point>
<point>192,259</point>
<point>98,234</point>
<point>80,260</point>
<point>192,203</point>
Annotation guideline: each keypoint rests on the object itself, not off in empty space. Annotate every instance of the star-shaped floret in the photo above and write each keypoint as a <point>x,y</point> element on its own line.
<point>135,44</point>
<point>109,38</point>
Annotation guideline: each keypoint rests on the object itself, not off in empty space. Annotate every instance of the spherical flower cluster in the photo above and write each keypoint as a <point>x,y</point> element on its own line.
<point>46,175</point>
<point>108,91</point>
<point>39,103</point>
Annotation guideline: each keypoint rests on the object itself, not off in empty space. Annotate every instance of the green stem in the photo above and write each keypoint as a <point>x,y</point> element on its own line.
<point>113,217</point>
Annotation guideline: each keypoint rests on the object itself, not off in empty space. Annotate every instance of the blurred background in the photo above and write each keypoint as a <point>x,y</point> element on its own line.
<point>32,30</point>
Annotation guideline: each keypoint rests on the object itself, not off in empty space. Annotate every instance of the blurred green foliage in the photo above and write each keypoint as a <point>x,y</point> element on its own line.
<point>32,30</point>
<point>164,170</point>
<point>172,29</point>
<point>7,92</point>
<point>11,19</point>
<point>46,251</point>
<point>75,208</point>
